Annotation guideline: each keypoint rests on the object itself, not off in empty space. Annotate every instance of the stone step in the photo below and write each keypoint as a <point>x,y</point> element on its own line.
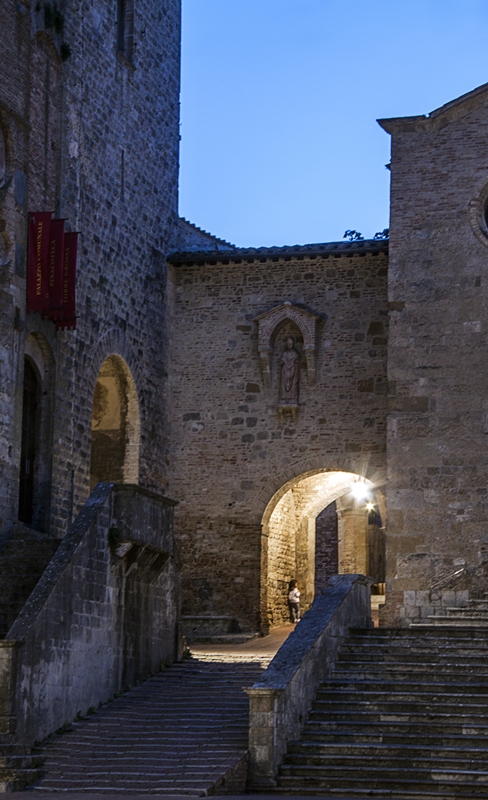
<point>457,658</point>
<point>367,733</point>
<point>460,620</point>
<point>383,647</point>
<point>390,777</point>
<point>397,634</point>
<point>301,752</point>
<point>465,613</point>
<point>416,675</point>
<point>320,764</point>
<point>403,715</point>
<point>382,703</point>
<point>411,790</point>
<point>420,688</point>
<point>452,716</point>
<point>228,638</point>
<point>185,731</point>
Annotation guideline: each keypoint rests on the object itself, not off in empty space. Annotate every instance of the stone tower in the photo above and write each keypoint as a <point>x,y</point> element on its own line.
<point>89,113</point>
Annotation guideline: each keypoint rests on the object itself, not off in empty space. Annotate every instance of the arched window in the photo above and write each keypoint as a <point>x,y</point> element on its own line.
<point>115,425</point>
<point>125,28</point>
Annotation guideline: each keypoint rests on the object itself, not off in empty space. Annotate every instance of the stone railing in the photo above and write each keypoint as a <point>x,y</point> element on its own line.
<point>280,700</point>
<point>103,615</point>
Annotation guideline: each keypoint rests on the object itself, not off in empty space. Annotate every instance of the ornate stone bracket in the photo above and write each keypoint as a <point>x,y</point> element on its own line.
<point>270,320</point>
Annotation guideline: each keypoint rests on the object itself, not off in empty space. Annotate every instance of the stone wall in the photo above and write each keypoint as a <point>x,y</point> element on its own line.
<point>231,448</point>
<point>72,131</point>
<point>102,617</point>
<point>437,431</point>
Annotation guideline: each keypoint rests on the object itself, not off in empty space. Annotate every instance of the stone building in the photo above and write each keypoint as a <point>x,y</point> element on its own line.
<point>311,409</point>
<point>251,469</point>
<point>89,114</point>
<point>390,344</point>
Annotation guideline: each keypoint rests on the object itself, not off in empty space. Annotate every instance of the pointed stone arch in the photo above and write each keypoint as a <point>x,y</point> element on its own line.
<point>288,535</point>
<point>269,322</point>
<point>35,478</point>
<point>115,425</point>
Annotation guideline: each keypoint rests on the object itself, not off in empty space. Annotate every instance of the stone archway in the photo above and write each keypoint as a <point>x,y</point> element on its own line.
<point>115,425</point>
<point>35,469</point>
<point>289,535</point>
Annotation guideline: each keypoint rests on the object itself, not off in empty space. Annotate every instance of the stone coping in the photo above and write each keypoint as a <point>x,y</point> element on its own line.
<point>67,548</point>
<point>62,558</point>
<point>302,640</point>
<point>134,488</point>
<point>239,254</point>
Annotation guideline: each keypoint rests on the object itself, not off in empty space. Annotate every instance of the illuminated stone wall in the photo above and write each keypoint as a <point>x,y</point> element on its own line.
<point>232,448</point>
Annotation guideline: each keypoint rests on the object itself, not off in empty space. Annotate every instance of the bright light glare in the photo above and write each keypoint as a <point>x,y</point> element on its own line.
<point>360,491</point>
<point>369,507</point>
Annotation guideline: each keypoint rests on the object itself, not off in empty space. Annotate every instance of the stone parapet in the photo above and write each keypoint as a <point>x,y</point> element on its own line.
<point>280,700</point>
<point>100,618</point>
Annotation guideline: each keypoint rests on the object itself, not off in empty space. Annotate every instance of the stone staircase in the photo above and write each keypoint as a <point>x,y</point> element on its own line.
<point>22,561</point>
<point>404,715</point>
<point>185,731</point>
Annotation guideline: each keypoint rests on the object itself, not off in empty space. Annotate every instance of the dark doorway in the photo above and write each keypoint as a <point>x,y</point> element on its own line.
<point>29,443</point>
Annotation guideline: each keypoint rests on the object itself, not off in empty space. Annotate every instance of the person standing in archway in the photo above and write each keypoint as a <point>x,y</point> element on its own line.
<point>294,601</point>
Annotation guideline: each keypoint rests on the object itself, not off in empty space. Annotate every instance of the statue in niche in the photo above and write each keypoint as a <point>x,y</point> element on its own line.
<point>290,375</point>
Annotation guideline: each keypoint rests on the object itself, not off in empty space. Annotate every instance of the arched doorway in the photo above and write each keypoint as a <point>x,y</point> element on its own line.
<point>35,473</point>
<point>115,425</point>
<point>292,543</point>
<point>30,441</point>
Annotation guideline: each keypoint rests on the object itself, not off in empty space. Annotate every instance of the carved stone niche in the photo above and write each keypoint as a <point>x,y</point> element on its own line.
<point>267,323</point>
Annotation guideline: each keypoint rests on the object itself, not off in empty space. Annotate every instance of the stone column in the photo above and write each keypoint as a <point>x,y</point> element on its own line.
<point>353,542</point>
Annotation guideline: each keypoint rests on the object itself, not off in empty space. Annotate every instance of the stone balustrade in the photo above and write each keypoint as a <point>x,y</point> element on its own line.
<point>103,616</point>
<point>281,699</point>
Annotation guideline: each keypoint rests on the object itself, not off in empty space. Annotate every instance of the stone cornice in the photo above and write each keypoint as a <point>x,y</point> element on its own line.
<point>250,254</point>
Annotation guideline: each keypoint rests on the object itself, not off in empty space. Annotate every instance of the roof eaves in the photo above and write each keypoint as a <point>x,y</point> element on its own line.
<point>441,116</point>
<point>277,253</point>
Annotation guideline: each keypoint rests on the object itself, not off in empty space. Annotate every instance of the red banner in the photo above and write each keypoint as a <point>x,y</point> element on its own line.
<point>56,261</point>
<point>66,318</point>
<point>38,269</point>
<point>51,277</point>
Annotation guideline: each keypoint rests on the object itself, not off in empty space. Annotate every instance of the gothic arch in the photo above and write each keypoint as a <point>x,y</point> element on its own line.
<point>288,534</point>
<point>113,342</point>
<point>115,425</point>
<point>276,484</point>
<point>37,432</point>
<point>269,323</point>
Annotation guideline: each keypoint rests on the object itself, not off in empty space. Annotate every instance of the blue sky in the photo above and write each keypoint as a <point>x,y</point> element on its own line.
<point>280,98</point>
